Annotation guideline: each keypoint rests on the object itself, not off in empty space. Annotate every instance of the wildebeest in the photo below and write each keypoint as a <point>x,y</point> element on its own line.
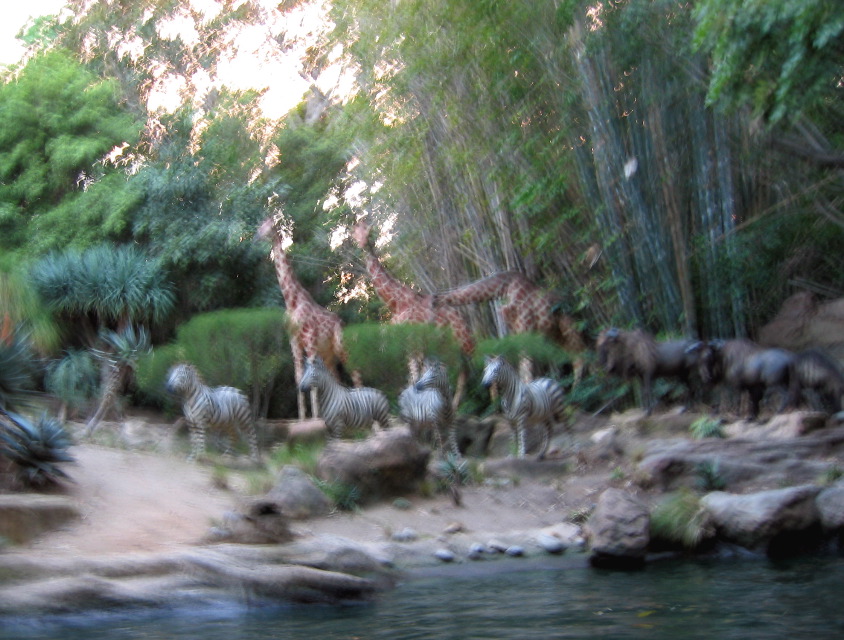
<point>635,354</point>
<point>816,372</point>
<point>743,365</point>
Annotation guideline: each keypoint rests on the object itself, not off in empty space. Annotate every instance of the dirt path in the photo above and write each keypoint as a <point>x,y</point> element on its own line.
<point>135,501</point>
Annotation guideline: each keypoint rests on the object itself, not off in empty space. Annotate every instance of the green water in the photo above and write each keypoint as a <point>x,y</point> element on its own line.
<point>721,599</point>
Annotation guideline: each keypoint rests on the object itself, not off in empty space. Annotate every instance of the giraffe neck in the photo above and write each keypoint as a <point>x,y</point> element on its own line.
<point>397,296</point>
<point>489,288</point>
<point>295,295</point>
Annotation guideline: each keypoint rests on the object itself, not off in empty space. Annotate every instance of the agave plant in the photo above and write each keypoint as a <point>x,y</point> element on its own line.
<point>36,448</point>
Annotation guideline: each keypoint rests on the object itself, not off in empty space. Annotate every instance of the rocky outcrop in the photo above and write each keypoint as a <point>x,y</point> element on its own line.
<point>775,522</point>
<point>738,463</point>
<point>618,531</point>
<point>803,322</point>
<point>389,463</point>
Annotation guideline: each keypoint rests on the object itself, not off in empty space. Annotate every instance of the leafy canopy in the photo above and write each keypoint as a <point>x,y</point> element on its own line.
<point>778,57</point>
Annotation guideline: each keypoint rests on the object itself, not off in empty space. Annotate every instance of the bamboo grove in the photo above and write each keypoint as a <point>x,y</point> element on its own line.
<point>607,149</point>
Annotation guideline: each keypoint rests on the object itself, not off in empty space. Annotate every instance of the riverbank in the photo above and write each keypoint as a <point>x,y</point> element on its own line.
<point>145,532</point>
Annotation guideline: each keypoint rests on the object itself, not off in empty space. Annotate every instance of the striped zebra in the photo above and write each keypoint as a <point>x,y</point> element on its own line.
<point>426,406</point>
<point>344,408</point>
<point>537,402</point>
<point>218,407</point>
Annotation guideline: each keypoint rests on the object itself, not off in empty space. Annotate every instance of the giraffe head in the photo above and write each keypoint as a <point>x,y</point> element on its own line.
<point>361,233</point>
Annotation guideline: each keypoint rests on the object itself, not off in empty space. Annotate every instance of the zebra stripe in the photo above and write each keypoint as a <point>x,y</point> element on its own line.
<point>343,408</point>
<point>539,402</point>
<point>426,406</point>
<point>221,408</point>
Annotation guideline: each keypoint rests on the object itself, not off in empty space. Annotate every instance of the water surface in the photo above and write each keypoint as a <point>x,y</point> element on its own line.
<point>744,599</point>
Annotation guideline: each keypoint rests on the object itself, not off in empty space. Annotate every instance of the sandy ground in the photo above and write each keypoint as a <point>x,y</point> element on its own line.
<point>142,501</point>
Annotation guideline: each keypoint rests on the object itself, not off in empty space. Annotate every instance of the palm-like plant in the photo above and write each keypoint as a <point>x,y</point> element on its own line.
<point>119,356</point>
<point>113,285</point>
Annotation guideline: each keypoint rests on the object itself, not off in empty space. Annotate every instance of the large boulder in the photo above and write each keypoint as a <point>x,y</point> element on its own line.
<point>618,530</point>
<point>296,495</point>
<point>24,516</point>
<point>388,463</point>
<point>804,322</point>
<point>776,522</point>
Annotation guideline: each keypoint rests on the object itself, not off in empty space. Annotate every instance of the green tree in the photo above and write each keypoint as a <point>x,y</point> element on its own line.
<point>58,122</point>
<point>779,58</point>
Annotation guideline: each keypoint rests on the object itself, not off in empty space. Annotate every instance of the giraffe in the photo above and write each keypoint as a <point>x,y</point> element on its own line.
<point>529,308</point>
<point>314,331</point>
<point>409,306</point>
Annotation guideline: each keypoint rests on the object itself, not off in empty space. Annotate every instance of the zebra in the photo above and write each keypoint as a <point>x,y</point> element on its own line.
<point>537,402</point>
<point>204,407</point>
<point>342,407</point>
<point>426,406</point>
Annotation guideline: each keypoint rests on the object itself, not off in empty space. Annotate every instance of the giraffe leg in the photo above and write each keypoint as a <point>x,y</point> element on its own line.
<point>298,370</point>
<point>458,393</point>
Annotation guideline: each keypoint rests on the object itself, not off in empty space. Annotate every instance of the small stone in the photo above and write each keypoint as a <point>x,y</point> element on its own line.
<point>405,535</point>
<point>515,551</point>
<point>477,551</point>
<point>550,544</point>
<point>495,545</point>
<point>444,554</point>
<point>455,527</point>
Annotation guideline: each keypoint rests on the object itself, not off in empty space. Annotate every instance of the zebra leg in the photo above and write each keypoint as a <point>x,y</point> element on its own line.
<point>546,441</point>
<point>520,439</point>
<point>452,440</point>
<point>197,440</point>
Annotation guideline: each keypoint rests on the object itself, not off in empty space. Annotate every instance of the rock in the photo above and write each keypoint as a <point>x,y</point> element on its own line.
<point>781,426</point>
<point>476,551</point>
<point>830,504</point>
<point>454,527</point>
<point>473,435</point>
<point>515,551</point>
<point>550,544</point>
<point>618,530</point>
<point>23,516</point>
<point>260,523</point>
<point>765,521</point>
<point>405,535</point>
<point>296,495</point>
<point>673,463</point>
<point>386,464</point>
<point>445,555</point>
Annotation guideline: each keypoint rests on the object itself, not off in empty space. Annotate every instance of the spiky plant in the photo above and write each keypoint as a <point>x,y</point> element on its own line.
<point>16,369</point>
<point>36,448</point>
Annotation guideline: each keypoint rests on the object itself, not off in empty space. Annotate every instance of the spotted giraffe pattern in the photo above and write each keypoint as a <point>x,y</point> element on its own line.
<point>315,331</point>
<point>406,304</point>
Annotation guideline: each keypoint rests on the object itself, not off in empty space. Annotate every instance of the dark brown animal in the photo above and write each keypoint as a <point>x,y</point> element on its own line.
<point>819,375</point>
<point>635,354</point>
<point>745,366</point>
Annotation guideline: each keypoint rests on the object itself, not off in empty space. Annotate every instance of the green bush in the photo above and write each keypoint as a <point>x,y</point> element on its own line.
<point>380,352</point>
<point>244,348</point>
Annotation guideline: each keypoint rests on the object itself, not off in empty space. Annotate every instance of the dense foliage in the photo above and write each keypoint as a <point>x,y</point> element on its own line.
<point>667,165</point>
